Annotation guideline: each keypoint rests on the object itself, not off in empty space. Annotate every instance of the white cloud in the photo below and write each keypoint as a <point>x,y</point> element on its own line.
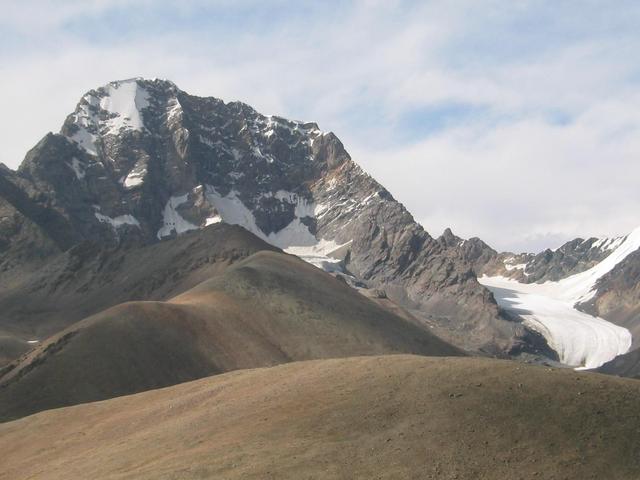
<point>513,174</point>
<point>527,184</point>
<point>34,15</point>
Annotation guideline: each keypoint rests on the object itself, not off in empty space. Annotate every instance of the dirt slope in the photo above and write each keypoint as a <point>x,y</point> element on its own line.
<point>268,309</point>
<point>370,417</point>
<point>35,304</point>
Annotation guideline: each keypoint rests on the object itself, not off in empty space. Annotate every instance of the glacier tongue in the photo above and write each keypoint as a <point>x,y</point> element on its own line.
<point>581,340</point>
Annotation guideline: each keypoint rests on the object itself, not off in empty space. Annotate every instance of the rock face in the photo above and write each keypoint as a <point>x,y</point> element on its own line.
<point>30,231</point>
<point>573,257</point>
<point>141,160</point>
<point>618,296</point>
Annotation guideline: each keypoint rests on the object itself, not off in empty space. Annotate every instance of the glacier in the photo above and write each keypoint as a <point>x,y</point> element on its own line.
<point>581,340</point>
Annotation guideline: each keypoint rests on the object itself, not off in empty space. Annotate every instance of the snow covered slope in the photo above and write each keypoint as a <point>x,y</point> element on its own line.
<point>580,339</point>
<point>108,110</point>
<point>581,287</point>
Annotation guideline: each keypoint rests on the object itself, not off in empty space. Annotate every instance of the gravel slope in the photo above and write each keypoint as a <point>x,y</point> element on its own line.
<point>369,417</point>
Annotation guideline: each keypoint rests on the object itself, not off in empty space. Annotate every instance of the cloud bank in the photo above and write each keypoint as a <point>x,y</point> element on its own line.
<point>514,121</point>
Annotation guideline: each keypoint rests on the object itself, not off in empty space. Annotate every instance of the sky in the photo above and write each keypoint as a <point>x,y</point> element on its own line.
<point>516,121</point>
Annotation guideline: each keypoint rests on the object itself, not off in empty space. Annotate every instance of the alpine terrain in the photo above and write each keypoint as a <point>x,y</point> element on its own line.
<point>566,295</point>
<point>140,161</point>
<point>192,289</point>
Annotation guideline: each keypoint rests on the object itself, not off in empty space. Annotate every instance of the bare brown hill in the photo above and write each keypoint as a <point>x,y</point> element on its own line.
<point>268,309</point>
<point>370,417</point>
<point>88,278</point>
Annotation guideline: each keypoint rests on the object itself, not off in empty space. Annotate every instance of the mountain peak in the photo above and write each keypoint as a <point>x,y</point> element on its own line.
<point>141,160</point>
<point>105,111</point>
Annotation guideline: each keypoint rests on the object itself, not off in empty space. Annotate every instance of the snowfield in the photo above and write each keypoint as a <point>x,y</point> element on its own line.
<point>580,339</point>
<point>123,101</point>
<point>173,221</point>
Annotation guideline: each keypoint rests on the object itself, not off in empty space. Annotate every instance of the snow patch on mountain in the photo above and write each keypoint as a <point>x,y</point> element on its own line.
<point>136,176</point>
<point>270,126</point>
<point>320,254</point>
<point>174,110</point>
<point>172,220</point>
<point>296,234</point>
<point>232,210</point>
<point>607,243</point>
<point>295,238</point>
<point>213,219</point>
<point>134,179</point>
<point>77,168</point>
<point>124,101</point>
<point>85,139</point>
<point>581,287</point>
<point>107,111</point>
<point>118,221</point>
<point>510,266</point>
